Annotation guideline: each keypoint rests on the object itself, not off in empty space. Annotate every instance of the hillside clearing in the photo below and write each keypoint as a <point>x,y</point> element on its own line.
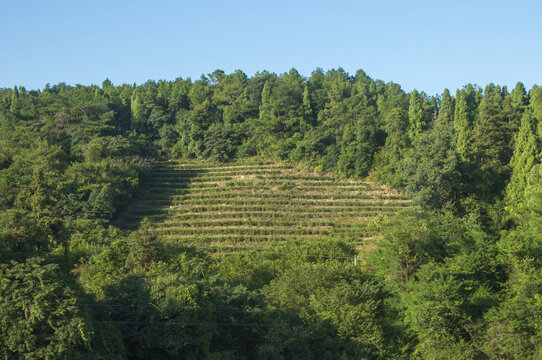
<point>255,205</point>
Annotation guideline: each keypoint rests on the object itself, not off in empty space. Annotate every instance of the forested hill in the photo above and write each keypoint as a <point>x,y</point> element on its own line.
<point>458,277</point>
<point>442,149</point>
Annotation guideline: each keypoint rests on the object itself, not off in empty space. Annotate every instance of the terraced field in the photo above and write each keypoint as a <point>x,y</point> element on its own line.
<point>255,204</point>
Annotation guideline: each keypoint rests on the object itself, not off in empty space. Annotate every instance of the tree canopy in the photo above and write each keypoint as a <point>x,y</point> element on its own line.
<point>456,276</point>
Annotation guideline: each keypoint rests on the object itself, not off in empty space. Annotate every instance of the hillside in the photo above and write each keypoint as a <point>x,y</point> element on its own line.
<point>254,204</point>
<point>256,259</point>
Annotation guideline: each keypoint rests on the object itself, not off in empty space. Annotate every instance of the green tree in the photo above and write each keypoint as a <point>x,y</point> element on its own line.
<point>15,103</point>
<point>266,106</point>
<point>432,172</point>
<point>410,239</point>
<point>446,108</point>
<point>525,157</point>
<point>222,141</point>
<point>20,233</point>
<point>228,95</point>
<point>308,116</point>
<point>358,146</point>
<point>144,245</point>
<point>465,113</point>
<point>490,145</point>
<point>40,315</point>
<point>416,124</point>
<point>535,105</point>
<point>341,308</point>
<point>515,105</point>
<point>436,311</point>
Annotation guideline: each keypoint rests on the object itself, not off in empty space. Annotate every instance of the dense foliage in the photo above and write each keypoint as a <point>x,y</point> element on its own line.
<point>459,277</point>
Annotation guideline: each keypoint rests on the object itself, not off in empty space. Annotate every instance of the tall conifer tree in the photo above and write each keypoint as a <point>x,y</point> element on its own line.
<point>15,103</point>
<point>519,100</point>
<point>136,107</point>
<point>535,104</point>
<point>307,111</point>
<point>490,146</point>
<point>524,159</point>
<point>446,108</point>
<point>266,106</point>
<point>466,105</point>
<point>415,116</point>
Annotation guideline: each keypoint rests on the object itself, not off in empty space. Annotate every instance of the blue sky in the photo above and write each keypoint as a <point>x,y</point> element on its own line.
<point>427,45</point>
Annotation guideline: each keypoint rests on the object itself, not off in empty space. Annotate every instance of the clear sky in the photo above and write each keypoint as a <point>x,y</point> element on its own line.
<point>427,45</point>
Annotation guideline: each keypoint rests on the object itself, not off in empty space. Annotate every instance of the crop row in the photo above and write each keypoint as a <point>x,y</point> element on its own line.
<point>241,231</point>
<point>203,165</point>
<point>233,202</point>
<point>290,215</point>
<point>181,175</point>
<point>259,222</point>
<point>259,188</point>
<point>253,240</point>
<point>337,210</point>
<point>291,232</point>
<point>246,239</point>
<point>339,225</point>
<point>265,183</point>
<point>233,172</point>
<point>336,219</point>
<point>350,229</point>
<point>214,178</point>
<point>262,186</point>
<point>271,194</point>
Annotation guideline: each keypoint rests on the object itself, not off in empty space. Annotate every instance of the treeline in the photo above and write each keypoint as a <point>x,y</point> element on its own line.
<point>460,147</point>
<point>459,278</point>
<point>351,125</point>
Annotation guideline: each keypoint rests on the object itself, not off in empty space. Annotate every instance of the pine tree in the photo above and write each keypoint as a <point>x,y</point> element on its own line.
<point>308,117</point>
<point>416,123</point>
<point>524,159</point>
<point>514,106</point>
<point>466,105</point>
<point>518,103</point>
<point>535,105</point>
<point>107,84</point>
<point>138,118</point>
<point>135,106</point>
<point>533,190</point>
<point>16,103</point>
<point>490,146</point>
<point>446,108</point>
<point>266,110</point>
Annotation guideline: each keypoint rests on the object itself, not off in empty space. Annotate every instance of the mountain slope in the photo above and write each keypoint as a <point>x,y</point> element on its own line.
<point>251,203</point>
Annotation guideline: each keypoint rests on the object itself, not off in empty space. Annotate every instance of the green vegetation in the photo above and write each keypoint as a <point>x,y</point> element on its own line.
<point>272,217</point>
<point>255,205</point>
